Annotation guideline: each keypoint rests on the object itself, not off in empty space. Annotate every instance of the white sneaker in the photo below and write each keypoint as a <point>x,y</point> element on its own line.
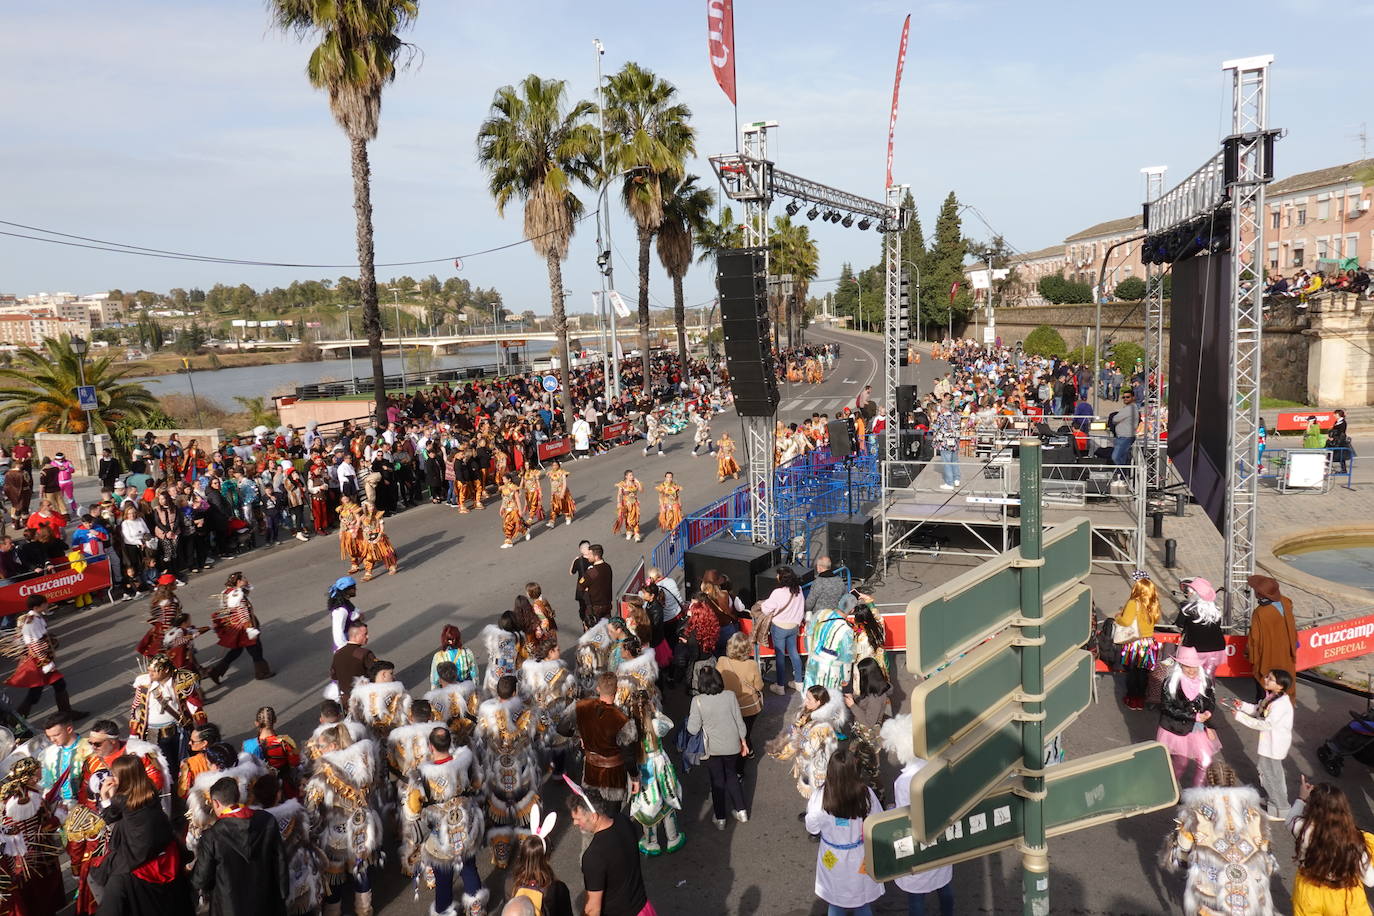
<point>301,536</point>
<point>567,521</point>
<point>505,545</point>
<point>778,689</point>
<point>742,816</point>
<point>945,486</point>
<point>628,536</point>
<point>958,483</point>
<point>638,538</point>
<point>796,685</point>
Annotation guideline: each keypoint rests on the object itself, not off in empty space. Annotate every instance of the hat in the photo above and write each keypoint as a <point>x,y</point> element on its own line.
<point>1264,587</point>
<point>1139,574</point>
<point>59,456</point>
<point>343,582</point>
<point>1201,587</point>
<point>166,579</point>
<point>286,464</point>
<point>1188,656</point>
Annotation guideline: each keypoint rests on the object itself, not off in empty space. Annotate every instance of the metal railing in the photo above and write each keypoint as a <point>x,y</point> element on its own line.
<point>421,378</point>
<point>1275,463</point>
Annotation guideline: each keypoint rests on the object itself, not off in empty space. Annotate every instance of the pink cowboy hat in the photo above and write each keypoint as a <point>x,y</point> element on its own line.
<point>1187,656</point>
<point>1202,588</point>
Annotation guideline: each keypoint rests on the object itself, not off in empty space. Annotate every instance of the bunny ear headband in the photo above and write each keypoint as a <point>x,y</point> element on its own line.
<point>542,829</point>
<point>577,790</point>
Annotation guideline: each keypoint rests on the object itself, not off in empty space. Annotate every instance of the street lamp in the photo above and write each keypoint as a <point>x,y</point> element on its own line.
<point>79,346</point>
<point>400,344</point>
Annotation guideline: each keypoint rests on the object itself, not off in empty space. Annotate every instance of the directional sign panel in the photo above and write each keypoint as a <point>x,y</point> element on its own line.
<point>968,770</point>
<point>1103,787</point>
<point>955,617</point>
<point>947,704</point>
<point>85,397</point>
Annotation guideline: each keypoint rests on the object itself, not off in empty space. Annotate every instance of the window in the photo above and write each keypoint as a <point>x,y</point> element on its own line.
<point>1274,220</point>
<point>1274,263</point>
<point>1297,257</point>
<point>1352,246</point>
<point>1302,216</point>
<point>1321,249</point>
<point>1323,209</point>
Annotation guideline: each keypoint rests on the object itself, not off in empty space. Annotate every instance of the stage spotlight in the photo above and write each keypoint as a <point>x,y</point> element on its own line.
<point>833,216</point>
<point>848,220</point>
<point>882,225</point>
<point>865,223</point>
<point>793,207</point>
<point>813,212</point>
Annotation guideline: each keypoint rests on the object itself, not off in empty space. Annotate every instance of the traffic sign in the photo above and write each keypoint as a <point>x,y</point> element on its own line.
<point>85,397</point>
<point>947,704</point>
<point>952,783</point>
<point>955,617</point>
<point>550,383</point>
<point>1097,789</point>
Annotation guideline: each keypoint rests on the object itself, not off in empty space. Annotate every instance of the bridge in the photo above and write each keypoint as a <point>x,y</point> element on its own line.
<point>511,338</point>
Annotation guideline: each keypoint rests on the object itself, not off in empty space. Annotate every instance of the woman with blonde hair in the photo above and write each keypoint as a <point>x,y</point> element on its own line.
<point>743,678</point>
<point>1134,632</point>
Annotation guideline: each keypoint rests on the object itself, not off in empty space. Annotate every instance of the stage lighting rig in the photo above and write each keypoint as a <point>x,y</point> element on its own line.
<point>814,212</point>
<point>793,207</point>
<point>848,220</point>
<point>865,223</point>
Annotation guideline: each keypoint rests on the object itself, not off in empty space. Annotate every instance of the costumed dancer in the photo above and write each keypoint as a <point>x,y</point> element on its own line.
<point>379,701</point>
<point>376,546</point>
<point>533,492</point>
<point>453,698</point>
<point>627,507</point>
<point>653,433</point>
<point>505,651</point>
<point>167,705</point>
<point>225,763</point>
<point>830,657</point>
<point>659,798</point>
<point>164,606</point>
<point>451,649</point>
<point>510,767</point>
<point>560,497</point>
<point>62,760</point>
<point>343,824</point>
<point>277,752</point>
<point>331,714</point>
<point>180,643</point>
<point>1134,632</point>
<point>669,503</point>
<point>442,824</point>
<point>407,746</point>
<point>897,740</point>
<point>350,533</point>
<point>238,629</point>
<point>702,434</point>
<point>604,729</point>
<point>813,737</point>
<point>593,656</point>
<point>30,839</point>
<point>726,465</point>
<point>546,622</point>
<point>342,612</point>
<point>636,668</point>
<point>302,858</point>
<point>551,690</point>
<point>37,660</point>
<point>512,517</point>
<point>1186,707</point>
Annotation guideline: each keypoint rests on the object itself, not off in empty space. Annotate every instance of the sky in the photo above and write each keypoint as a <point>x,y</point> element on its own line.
<point>189,124</point>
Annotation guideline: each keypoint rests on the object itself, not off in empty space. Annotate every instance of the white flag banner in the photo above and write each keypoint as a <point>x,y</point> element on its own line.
<point>980,280</point>
<point>617,303</point>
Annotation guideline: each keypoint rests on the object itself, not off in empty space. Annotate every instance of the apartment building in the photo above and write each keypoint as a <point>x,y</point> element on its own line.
<point>1320,220</point>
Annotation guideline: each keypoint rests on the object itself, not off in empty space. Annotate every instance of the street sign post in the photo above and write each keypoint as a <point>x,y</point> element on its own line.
<point>85,397</point>
<point>551,383</point>
<point>1100,788</point>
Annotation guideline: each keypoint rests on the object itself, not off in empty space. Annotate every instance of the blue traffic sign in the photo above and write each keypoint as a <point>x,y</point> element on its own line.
<point>550,383</point>
<point>85,397</point>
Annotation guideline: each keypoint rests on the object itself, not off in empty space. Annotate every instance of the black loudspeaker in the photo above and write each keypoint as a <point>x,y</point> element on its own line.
<point>906,399</point>
<point>765,582</point>
<point>844,437</point>
<point>742,281</point>
<point>849,541</point>
<point>740,560</point>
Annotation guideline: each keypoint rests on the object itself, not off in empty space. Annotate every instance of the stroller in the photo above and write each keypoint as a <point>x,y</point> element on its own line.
<point>1355,739</point>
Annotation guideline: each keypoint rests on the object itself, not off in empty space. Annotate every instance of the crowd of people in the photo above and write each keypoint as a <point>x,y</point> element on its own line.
<point>1305,286</point>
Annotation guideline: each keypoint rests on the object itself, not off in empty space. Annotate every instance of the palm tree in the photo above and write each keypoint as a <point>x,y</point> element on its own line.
<point>359,52</point>
<point>38,394</point>
<point>686,210</point>
<point>724,232</point>
<point>792,251</point>
<point>534,150</point>
<point>648,140</point>
<point>259,413</point>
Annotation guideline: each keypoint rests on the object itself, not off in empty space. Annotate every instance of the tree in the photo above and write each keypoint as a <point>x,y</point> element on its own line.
<point>793,252</point>
<point>945,263</point>
<point>39,393</point>
<point>150,334</point>
<point>1131,289</point>
<point>686,213</point>
<point>648,141</point>
<point>359,53</point>
<point>260,413</point>
<point>535,149</point>
<point>189,339</point>
<point>1045,341</point>
<point>1126,353</point>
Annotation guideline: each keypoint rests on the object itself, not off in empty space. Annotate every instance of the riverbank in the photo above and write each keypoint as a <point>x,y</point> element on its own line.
<point>166,362</point>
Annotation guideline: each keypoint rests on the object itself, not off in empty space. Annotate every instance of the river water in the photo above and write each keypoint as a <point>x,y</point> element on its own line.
<point>223,385</point>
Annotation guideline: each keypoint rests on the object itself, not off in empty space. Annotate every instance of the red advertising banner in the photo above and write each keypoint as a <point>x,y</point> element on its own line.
<point>553,448</point>
<point>614,430</point>
<point>56,586</point>
<point>1296,420</point>
<point>896,91</point>
<point>720,44</point>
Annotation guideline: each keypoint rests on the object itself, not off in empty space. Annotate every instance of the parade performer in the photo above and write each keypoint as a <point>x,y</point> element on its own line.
<point>896,736</point>
<point>702,436</point>
<point>62,759</point>
<point>512,518</point>
<point>164,606</point>
<point>550,688</point>
<point>29,838</point>
<point>659,798</point>
<point>277,752</point>
<point>593,655</point>
<point>1185,713</point>
<point>302,859</point>
<point>654,432</point>
<point>343,824</point>
<point>453,698</point>
<point>636,668</point>
<point>500,467</point>
<point>37,660</point>
<point>443,825</point>
<point>725,458</point>
<point>342,612</point>
<point>669,503</point>
<point>604,729</point>
<point>511,774</point>
<point>243,768</point>
<point>533,492</point>
<point>560,497</point>
<point>830,642</point>
<point>167,705</point>
<point>180,643</point>
<point>546,625</point>
<point>627,507</point>
<point>350,533</point>
<point>376,546</point>
<point>379,701</point>
<point>238,629</point>
<point>331,714</point>
<point>505,650</point>
<point>451,650</point>
<point>813,737</point>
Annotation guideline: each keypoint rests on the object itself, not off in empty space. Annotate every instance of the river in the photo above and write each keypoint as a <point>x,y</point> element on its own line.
<point>223,385</point>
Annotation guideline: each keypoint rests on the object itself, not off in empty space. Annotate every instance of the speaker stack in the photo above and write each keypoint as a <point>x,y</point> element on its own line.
<point>742,281</point>
<point>742,561</point>
<point>849,542</point>
<point>843,436</point>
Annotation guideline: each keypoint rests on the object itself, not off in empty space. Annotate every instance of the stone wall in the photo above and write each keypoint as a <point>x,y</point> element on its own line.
<point>1340,370</point>
<point>208,439</point>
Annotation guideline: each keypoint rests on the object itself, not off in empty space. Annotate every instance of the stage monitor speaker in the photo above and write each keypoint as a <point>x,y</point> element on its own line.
<point>765,582</point>
<point>741,561</point>
<point>844,437</point>
<point>906,399</point>
<point>849,542</point>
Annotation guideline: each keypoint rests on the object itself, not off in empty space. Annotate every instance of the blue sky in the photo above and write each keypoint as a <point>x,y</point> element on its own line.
<point>189,125</point>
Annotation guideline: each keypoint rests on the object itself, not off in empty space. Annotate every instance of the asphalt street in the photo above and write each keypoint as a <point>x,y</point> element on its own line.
<point>452,571</point>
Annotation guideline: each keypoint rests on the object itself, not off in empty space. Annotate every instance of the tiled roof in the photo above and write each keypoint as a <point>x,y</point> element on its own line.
<point>1336,174</point>
<point>1110,227</point>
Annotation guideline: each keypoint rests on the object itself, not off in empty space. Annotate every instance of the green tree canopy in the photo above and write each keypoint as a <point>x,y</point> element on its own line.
<point>1045,341</point>
<point>38,394</point>
<point>1131,289</point>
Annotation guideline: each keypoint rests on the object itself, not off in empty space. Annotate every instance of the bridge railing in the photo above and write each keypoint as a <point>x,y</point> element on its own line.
<point>418,379</point>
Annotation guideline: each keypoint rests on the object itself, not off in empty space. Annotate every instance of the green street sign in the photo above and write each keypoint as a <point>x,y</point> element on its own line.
<point>965,772</point>
<point>1100,788</point>
<point>948,703</point>
<point>955,617</point>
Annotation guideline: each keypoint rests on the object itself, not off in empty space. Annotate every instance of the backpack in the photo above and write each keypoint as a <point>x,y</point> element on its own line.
<point>532,894</point>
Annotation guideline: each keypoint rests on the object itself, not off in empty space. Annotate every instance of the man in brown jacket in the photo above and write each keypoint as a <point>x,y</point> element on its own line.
<point>606,734</point>
<point>1273,639</point>
<point>353,660</point>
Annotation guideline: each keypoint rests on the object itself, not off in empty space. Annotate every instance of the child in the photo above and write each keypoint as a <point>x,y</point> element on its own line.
<point>1272,717</point>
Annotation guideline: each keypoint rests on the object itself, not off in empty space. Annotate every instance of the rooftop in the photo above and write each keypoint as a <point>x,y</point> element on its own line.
<point>1336,174</point>
<point>1123,226</point>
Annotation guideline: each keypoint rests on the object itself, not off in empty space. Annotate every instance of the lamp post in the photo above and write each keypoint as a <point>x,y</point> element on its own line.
<point>400,344</point>
<point>603,235</point>
<point>348,323</point>
<point>79,346</point>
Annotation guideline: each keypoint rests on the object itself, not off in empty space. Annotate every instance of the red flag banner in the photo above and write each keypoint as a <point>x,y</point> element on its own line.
<point>720,42</point>
<point>953,291</point>
<point>896,92</point>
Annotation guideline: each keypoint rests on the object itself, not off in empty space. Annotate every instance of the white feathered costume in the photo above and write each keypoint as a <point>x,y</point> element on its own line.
<point>510,768</point>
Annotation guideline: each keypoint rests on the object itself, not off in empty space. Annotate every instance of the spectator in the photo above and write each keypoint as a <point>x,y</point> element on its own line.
<point>142,871</point>
<point>1124,421</point>
<point>740,672</point>
<point>240,863</point>
<point>610,862</point>
<point>837,814</point>
<point>532,880</point>
<point>784,610</point>
<point>715,714</point>
<point>827,588</point>
<point>1335,858</point>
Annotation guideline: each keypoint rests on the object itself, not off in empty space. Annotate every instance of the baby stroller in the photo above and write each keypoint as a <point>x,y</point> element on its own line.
<point>1355,739</point>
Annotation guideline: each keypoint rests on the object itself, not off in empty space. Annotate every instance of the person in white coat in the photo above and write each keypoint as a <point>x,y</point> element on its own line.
<point>897,739</point>
<point>837,814</point>
<point>1272,717</point>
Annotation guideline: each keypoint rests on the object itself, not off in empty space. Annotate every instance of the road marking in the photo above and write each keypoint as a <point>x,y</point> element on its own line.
<point>848,381</point>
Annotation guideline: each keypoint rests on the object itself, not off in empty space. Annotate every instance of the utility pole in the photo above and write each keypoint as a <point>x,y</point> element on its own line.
<point>603,241</point>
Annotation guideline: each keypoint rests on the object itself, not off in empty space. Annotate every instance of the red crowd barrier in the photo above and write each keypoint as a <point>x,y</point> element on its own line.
<point>1296,420</point>
<point>59,585</point>
<point>894,624</point>
<point>614,430</point>
<point>554,448</point>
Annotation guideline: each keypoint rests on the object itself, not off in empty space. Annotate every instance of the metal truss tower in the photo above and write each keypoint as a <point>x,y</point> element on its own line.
<point>892,324</point>
<point>1152,453</point>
